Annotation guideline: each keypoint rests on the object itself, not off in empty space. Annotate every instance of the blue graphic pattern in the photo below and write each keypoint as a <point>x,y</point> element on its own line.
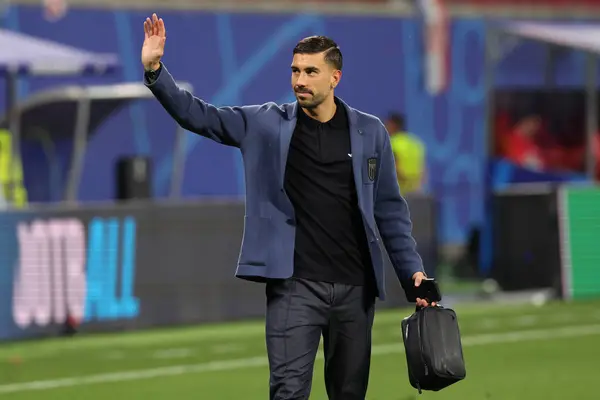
<point>230,92</point>
<point>237,58</point>
<point>131,72</point>
<point>451,125</point>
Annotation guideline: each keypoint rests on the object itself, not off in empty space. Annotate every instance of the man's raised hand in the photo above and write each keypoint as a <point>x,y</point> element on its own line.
<point>154,42</point>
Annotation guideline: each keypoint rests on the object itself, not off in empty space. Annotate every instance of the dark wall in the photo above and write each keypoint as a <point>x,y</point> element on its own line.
<point>139,266</point>
<point>526,239</point>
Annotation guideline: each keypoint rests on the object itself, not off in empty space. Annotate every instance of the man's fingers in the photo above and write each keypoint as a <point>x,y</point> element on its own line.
<point>148,27</point>
<point>162,32</point>
<point>422,302</point>
<point>425,303</point>
<point>154,24</point>
<point>418,281</point>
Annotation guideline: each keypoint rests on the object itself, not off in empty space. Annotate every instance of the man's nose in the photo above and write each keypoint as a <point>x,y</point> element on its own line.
<point>301,82</point>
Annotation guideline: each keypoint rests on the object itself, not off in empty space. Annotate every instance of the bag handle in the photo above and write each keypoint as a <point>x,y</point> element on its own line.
<point>419,308</point>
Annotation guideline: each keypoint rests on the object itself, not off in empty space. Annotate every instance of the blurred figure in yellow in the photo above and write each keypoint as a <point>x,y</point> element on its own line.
<point>409,152</point>
<point>12,189</point>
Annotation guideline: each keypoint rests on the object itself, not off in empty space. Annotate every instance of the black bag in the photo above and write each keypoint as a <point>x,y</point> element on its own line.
<point>433,348</point>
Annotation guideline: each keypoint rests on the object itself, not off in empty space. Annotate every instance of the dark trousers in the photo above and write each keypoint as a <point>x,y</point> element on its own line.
<point>299,311</point>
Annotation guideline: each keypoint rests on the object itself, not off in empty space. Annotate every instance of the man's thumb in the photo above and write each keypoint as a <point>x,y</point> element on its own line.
<point>417,281</point>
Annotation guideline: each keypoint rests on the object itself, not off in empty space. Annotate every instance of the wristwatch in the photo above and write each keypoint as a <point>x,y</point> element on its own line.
<point>152,75</point>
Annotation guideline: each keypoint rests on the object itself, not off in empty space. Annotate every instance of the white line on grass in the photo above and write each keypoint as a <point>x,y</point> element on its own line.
<point>229,365</point>
<point>244,331</point>
<point>173,353</point>
<point>227,348</point>
<point>236,331</point>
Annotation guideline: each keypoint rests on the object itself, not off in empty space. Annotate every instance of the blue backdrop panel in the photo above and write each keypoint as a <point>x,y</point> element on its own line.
<point>244,58</point>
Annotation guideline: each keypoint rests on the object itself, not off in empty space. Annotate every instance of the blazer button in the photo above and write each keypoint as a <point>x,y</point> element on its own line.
<point>291,222</point>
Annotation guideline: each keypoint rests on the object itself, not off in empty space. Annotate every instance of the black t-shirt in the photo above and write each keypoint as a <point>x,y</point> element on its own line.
<point>331,244</point>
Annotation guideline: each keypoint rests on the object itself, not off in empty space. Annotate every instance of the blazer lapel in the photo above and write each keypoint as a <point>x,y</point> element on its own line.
<point>356,145</point>
<point>285,136</point>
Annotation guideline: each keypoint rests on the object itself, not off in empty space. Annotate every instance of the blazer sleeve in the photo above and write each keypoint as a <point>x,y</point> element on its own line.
<point>393,218</point>
<point>225,125</point>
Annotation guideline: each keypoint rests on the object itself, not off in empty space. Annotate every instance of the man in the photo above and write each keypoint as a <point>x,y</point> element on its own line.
<point>320,181</point>
<point>12,189</point>
<point>521,147</point>
<point>409,152</point>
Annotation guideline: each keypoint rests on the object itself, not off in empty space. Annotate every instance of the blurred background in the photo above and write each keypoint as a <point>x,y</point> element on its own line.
<point>120,232</point>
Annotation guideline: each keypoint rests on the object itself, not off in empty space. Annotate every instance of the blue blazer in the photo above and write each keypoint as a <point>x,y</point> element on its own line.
<point>263,133</point>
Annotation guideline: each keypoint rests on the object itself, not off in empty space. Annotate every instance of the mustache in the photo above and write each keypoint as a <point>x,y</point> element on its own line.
<point>302,90</point>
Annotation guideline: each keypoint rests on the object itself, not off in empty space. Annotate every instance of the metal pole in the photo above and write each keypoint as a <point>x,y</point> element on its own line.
<point>82,124</point>
<point>491,51</point>
<point>491,55</point>
<point>178,164</point>
<point>591,109</point>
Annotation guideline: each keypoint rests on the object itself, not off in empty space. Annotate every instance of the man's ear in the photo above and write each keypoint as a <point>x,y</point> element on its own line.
<point>335,78</point>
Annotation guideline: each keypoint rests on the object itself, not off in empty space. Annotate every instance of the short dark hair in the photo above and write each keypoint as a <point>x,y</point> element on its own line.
<point>320,44</point>
<point>398,119</point>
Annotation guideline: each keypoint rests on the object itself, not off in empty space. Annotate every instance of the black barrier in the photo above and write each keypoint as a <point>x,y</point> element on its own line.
<point>139,265</point>
<point>423,211</point>
<point>526,238</point>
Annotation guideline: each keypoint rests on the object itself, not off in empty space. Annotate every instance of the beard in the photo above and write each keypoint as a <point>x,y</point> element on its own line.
<point>311,101</point>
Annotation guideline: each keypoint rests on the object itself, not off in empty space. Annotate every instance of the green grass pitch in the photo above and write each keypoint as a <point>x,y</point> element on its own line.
<point>517,352</point>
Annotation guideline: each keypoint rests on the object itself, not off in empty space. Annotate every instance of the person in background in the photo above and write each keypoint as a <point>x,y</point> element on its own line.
<point>12,189</point>
<point>3,203</point>
<point>409,152</point>
<point>521,147</point>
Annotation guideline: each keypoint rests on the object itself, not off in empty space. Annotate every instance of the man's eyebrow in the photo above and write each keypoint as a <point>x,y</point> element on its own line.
<point>309,68</point>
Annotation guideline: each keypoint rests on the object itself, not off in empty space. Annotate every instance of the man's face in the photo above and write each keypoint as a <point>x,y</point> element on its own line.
<point>530,126</point>
<point>313,79</point>
<point>391,126</point>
